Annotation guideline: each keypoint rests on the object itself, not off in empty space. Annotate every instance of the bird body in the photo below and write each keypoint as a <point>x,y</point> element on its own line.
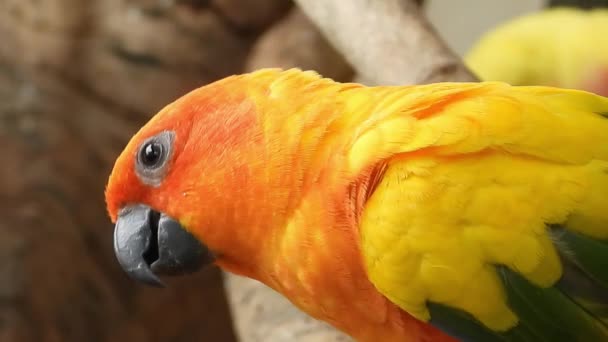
<point>441,212</point>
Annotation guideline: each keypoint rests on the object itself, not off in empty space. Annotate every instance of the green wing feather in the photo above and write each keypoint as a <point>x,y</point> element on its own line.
<point>575,309</point>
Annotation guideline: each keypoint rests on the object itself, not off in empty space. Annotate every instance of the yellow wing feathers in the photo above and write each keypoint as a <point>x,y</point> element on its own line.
<point>537,121</point>
<point>472,183</point>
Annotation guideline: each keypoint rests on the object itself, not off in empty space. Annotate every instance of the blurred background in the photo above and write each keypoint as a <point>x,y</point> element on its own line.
<point>77,79</point>
<point>461,23</point>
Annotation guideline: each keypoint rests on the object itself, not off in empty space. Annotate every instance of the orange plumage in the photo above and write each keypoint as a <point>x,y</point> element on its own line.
<point>247,175</point>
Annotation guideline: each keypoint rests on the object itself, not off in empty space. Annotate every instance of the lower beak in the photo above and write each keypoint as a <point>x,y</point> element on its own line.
<point>148,244</point>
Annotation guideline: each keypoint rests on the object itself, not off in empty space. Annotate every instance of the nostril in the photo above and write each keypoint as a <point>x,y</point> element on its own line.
<point>151,253</point>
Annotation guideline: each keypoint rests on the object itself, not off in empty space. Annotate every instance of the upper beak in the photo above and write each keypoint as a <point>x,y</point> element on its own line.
<point>148,243</point>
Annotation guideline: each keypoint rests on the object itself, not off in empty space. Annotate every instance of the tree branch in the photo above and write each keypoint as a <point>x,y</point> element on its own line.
<point>387,42</point>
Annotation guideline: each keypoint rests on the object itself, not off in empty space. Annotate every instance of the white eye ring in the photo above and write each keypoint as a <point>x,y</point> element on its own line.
<point>152,158</point>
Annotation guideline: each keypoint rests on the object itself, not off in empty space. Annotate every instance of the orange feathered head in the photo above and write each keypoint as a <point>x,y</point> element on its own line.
<point>192,185</point>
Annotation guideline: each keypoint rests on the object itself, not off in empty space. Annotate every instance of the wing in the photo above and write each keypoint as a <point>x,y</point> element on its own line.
<point>491,221</point>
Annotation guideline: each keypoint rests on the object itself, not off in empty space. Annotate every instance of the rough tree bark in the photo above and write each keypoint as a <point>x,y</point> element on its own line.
<point>387,42</point>
<point>59,280</point>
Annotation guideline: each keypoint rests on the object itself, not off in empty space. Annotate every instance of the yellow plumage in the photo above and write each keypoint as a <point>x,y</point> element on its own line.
<point>562,46</point>
<point>473,181</point>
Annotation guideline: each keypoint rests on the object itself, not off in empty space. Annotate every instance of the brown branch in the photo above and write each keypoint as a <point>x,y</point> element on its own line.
<point>387,42</point>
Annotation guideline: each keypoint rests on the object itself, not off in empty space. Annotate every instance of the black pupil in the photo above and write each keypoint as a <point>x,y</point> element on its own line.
<point>151,153</point>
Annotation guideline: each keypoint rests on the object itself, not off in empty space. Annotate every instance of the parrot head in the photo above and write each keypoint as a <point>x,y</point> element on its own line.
<point>181,192</point>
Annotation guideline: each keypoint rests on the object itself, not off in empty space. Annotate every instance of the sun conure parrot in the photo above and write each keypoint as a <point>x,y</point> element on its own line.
<point>440,212</point>
<point>561,46</point>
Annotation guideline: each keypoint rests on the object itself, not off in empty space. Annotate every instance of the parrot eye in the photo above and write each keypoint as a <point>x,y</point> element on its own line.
<point>152,156</point>
<point>151,153</point>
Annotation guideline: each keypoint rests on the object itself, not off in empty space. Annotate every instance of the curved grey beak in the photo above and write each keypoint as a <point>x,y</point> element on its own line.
<point>148,244</point>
